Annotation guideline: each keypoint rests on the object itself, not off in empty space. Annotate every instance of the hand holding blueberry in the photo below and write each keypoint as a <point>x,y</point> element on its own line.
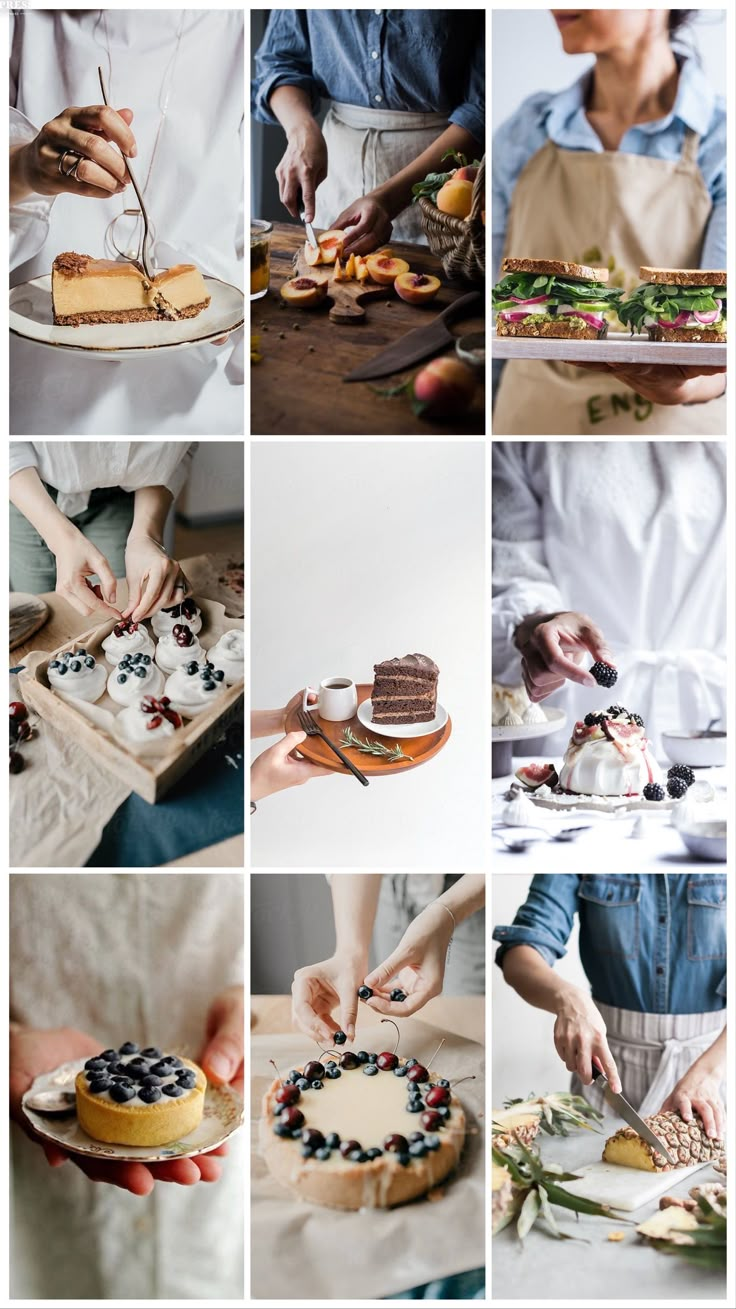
<point>321,989</point>
<point>415,971</point>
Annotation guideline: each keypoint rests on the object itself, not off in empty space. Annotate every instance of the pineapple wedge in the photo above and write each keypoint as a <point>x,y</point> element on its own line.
<point>686,1142</point>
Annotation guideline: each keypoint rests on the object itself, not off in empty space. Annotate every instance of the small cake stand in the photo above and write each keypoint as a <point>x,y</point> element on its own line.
<point>503,738</point>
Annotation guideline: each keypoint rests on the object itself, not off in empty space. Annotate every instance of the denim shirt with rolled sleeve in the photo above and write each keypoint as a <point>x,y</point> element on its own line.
<point>414,60</point>
<point>654,944</point>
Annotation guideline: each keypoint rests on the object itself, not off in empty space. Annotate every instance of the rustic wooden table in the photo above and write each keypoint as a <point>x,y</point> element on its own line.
<point>462,1014</point>
<point>296,391</point>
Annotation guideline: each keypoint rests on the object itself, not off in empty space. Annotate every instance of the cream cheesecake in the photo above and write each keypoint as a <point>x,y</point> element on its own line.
<point>87,290</point>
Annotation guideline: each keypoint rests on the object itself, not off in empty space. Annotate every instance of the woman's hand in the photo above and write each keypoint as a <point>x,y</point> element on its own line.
<point>224,1050</point>
<point>699,1091</point>
<point>270,722</point>
<point>76,560</point>
<point>280,767</point>
<point>302,167</point>
<point>580,1037</point>
<point>552,646</point>
<point>417,965</point>
<point>152,577</point>
<point>101,172</point>
<point>34,1051</point>
<point>666,384</point>
<point>370,226</point>
<point>319,989</point>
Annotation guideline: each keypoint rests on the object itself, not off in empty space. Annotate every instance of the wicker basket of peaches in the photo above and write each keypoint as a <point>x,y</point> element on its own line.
<point>453,209</point>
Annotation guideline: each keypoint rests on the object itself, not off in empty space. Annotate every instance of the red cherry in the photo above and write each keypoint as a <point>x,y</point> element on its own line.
<point>314,1070</point>
<point>18,710</point>
<point>437,1096</point>
<point>417,1073</point>
<point>292,1117</point>
<point>288,1094</point>
<point>396,1144</point>
<point>182,635</point>
<point>387,1061</point>
<point>347,1147</point>
<point>431,1120</point>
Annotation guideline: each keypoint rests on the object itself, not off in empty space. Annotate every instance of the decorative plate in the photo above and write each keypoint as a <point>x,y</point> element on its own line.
<point>223,1115</point>
<point>401,731</point>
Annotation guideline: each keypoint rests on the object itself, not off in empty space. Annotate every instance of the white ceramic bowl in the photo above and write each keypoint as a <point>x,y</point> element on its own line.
<point>707,841</point>
<point>698,749</point>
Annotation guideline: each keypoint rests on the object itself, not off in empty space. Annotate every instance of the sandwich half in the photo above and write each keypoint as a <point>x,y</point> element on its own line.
<point>678,304</point>
<point>551,297</point>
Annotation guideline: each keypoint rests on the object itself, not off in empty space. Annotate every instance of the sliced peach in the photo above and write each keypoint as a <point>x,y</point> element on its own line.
<point>350,269</point>
<point>445,386</point>
<point>416,287</point>
<point>339,273</point>
<point>304,292</point>
<point>456,198</point>
<point>385,253</point>
<point>330,243</point>
<point>312,254</point>
<point>385,271</point>
<point>361,269</point>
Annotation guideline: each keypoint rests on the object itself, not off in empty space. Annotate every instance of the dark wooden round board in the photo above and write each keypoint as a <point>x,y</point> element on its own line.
<point>420,748</point>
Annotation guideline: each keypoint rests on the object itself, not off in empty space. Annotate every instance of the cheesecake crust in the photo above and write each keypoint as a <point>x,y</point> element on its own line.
<point>126,315</point>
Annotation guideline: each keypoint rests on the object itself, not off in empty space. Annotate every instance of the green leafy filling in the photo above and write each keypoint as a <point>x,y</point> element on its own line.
<point>656,300</point>
<point>589,297</point>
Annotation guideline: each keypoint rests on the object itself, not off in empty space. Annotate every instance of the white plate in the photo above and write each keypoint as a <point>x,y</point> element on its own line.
<point>556,719</point>
<point>223,1115</point>
<point>31,317</point>
<point>401,731</point>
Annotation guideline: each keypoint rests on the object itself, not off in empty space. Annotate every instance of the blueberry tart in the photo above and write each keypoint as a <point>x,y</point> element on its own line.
<point>139,1097</point>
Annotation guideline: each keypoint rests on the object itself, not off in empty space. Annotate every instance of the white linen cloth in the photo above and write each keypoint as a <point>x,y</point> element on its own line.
<point>652,1052</point>
<point>194,200</point>
<point>76,468</point>
<point>633,534</point>
<point>124,956</point>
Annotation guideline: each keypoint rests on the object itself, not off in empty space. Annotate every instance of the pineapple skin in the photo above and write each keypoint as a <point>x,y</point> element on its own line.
<point>686,1142</point>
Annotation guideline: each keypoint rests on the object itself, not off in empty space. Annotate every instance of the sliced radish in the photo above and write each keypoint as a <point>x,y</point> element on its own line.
<point>710,317</point>
<point>680,321</point>
<point>535,300</point>
<point>593,320</point>
<point>513,316</point>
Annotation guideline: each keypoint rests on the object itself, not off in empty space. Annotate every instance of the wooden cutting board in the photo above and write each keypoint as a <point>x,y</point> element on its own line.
<point>625,1188</point>
<point>348,298</point>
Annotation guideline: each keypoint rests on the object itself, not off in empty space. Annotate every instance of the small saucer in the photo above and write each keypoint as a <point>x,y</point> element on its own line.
<point>401,731</point>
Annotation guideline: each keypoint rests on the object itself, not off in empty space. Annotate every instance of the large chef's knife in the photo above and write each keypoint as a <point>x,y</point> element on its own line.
<point>624,1110</point>
<point>416,345</point>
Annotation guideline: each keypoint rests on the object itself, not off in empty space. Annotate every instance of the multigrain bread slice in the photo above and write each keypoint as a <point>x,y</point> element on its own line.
<point>561,327</point>
<point>685,334</point>
<point>683,276</point>
<point>555,267</point>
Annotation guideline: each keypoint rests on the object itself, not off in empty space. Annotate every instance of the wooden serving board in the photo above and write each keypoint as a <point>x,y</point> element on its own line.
<point>27,616</point>
<point>421,748</point>
<point>347,297</point>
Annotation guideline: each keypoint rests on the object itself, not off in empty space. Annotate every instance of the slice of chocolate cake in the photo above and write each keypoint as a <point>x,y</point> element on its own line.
<point>405,690</point>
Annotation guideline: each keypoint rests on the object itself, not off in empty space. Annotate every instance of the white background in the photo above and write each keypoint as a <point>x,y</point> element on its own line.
<point>525,1061</point>
<point>528,55</point>
<point>361,552</point>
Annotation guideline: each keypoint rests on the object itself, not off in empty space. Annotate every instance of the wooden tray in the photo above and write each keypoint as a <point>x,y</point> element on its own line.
<point>149,777</point>
<point>421,748</point>
<point>616,348</point>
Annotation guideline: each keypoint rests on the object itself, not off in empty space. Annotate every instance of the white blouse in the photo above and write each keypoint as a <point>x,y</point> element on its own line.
<point>75,468</point>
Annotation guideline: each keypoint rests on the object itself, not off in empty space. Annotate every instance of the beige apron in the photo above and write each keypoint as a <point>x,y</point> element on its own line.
<point>366,147</point>
<point>641,211</point>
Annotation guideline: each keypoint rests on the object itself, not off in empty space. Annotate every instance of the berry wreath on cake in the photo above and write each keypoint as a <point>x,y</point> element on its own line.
<point>139,1097</point>
<point>361,1131</point>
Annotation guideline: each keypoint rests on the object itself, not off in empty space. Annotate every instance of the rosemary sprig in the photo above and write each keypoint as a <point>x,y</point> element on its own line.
<point>390,752</point>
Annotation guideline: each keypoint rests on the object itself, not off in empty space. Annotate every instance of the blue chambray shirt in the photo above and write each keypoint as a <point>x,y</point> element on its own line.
<point>654,944</point>
<point>560,117</point>
<point>416,60</point>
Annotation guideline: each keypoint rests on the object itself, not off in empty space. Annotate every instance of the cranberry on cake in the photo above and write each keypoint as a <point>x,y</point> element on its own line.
<point>405,690</point>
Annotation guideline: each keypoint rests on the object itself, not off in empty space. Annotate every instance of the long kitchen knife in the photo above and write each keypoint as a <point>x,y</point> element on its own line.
<point>416,345</point>
<point>624,1110</point>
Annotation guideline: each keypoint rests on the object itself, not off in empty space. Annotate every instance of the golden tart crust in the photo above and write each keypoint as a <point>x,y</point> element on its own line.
<point>141,1124</point>
<point>341,1183</point>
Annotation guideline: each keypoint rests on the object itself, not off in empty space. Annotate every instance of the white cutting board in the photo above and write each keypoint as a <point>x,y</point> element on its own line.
<point>625,1188</point>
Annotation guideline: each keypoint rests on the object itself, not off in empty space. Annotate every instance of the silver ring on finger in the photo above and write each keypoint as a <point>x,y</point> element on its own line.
<point>70,172</point>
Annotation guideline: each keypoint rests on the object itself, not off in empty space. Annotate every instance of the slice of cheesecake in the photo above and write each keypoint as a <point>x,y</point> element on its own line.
<point>87,290</point>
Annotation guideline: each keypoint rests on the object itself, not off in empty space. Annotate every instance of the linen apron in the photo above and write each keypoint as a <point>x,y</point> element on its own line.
<point>639,210</point>
<point>366,147</point>
<point>652,1053</point>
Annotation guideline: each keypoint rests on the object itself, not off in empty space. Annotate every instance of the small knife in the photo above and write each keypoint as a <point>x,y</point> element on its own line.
<point>416,345</point>
<point>630,1116</point>
<point>307,226</point>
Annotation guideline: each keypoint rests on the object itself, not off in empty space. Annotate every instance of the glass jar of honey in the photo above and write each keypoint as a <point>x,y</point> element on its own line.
<point>260,257</point>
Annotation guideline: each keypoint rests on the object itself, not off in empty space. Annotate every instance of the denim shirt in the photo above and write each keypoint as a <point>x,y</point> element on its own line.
<point>416,60</point>
<point>655,944</point>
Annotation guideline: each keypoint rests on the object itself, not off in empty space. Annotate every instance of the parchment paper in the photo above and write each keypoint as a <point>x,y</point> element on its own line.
<point>294,1243</point>
<point>61,802</point>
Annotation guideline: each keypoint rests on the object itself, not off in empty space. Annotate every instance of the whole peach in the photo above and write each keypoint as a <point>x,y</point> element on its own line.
<point>446,387</point>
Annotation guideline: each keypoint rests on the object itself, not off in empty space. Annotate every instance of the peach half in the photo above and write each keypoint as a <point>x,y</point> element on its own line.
<point>304,292</point>
<point>385,271</point>
<point>416,287</point>
<point>446,387</point>
<point>312,254</point>
<point>330,244</point>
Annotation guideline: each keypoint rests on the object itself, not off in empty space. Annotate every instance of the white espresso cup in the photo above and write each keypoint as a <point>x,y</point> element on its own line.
<point>337,699</point>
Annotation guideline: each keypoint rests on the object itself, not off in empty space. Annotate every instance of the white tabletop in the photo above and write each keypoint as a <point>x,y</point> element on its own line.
<point>657,844</point>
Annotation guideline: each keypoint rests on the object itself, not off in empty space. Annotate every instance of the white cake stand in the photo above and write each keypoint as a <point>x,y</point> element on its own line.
<point>503,738</point>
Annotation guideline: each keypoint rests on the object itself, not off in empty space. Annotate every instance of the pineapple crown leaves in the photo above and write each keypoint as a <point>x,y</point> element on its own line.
<point>543,1188</point>
<point>558,1112</point>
